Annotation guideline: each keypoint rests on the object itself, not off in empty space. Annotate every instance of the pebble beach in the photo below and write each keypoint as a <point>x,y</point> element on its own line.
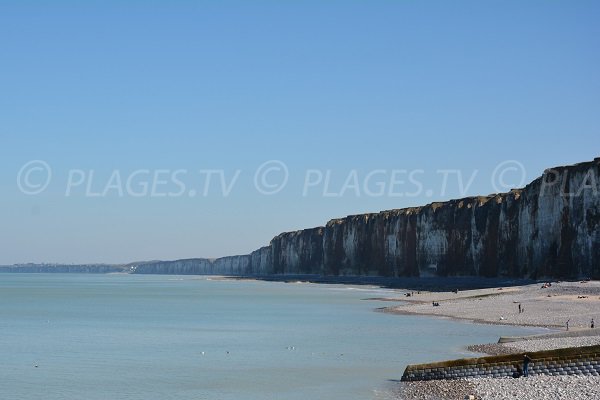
<point>547,306</point>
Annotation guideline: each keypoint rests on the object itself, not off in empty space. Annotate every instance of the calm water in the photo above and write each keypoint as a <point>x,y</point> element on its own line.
<point>165,337</point>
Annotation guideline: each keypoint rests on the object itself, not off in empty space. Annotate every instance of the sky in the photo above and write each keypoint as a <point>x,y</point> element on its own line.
<point>135,130</point>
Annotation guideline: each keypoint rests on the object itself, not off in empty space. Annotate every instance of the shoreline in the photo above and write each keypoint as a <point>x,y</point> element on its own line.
<point>490,301</point>
<point>532,305</point>
<point>574,297</point>
<point>433,284</point>
<point>462,298</point>
<point>386,310</point>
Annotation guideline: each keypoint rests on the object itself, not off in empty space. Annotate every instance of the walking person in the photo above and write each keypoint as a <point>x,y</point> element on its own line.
<point>526,361</point>
<point>568,323</point>
<point>519,308</point>
<point>592,324</point>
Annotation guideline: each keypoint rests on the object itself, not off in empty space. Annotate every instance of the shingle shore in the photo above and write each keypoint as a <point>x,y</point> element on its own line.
<point>576,302</point>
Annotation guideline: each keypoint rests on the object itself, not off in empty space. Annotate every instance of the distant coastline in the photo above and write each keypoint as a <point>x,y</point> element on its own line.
<point>63,268</point>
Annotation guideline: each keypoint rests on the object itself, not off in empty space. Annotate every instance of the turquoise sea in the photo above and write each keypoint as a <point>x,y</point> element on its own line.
<point>169,337</point>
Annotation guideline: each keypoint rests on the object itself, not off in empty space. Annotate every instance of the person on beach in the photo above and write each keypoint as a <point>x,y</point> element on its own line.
<point>526,361</point>
<point>592,324</point>
<point>519,308</point>
<point>568,324</point>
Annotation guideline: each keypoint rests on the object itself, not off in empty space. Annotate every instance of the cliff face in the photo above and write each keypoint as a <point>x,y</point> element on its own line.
<point>550,228</point>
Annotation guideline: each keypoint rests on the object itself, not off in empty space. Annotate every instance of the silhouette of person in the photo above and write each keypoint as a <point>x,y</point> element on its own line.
<point>526,361</point>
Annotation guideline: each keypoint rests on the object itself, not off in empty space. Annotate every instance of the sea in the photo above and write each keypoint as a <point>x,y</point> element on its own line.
<point>120,336</point>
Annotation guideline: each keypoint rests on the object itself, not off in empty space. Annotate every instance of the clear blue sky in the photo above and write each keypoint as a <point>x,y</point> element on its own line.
<point>319,85</point>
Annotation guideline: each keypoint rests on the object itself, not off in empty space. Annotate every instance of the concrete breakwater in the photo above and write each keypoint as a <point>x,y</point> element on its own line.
<point>569,361</point>
<point>550,228</point>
